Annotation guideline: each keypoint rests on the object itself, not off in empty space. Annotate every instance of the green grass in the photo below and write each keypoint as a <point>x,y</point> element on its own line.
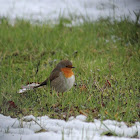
<point>100,51</point>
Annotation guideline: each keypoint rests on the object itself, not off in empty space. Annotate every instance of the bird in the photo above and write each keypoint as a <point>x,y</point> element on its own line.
<point>61,78</point>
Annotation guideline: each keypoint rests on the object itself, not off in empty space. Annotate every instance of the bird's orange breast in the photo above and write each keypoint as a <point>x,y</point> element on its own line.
<point>67,72</point>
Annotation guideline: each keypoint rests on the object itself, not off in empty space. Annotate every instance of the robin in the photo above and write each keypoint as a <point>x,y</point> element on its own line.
<point>61,78</point>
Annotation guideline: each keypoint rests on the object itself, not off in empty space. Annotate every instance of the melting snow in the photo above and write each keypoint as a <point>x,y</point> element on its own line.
<point>42,128</point>
<point>51,10</point>
<point>27,87</point>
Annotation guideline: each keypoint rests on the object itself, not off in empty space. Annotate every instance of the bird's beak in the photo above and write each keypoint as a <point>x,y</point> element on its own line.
<point>72,67</point>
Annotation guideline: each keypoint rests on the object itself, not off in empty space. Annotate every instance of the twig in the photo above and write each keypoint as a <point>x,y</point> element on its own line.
<point>38,124</point>
<point>37,68</point>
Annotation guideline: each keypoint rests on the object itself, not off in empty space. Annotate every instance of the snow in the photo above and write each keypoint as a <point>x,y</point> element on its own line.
<point>27,87</point>
<point>51,10</point>
<point>76,128</point>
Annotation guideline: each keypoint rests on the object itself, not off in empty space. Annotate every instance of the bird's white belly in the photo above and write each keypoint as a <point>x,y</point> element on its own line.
<point>62,84</point>
<point>70,81</point>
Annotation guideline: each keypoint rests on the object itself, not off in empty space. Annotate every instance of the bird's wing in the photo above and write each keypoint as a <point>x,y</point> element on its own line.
<point>53,75</point>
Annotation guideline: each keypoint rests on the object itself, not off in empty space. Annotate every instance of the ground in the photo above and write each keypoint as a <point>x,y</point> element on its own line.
<point>106,57</point>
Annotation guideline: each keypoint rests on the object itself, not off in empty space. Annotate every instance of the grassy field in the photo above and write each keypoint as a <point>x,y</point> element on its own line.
<point>107,60</point>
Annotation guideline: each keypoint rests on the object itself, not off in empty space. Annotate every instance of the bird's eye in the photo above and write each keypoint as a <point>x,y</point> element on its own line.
<point>69,66</point>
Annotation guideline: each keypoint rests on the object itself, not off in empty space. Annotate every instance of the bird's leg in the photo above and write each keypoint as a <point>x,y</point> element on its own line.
<point>57,94</point>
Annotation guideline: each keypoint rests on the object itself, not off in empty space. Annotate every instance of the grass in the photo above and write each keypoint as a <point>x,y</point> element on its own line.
<point>106,56</point>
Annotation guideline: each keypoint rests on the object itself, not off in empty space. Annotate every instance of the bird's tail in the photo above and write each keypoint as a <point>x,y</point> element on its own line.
<point>42,84</point>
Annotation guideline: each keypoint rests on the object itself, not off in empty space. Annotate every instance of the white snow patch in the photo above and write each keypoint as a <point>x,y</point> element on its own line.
<point>27,87</point>
<point>28,128</point>
<point>51,10</point>
<point>28,118</point>
<point>81,118</point>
